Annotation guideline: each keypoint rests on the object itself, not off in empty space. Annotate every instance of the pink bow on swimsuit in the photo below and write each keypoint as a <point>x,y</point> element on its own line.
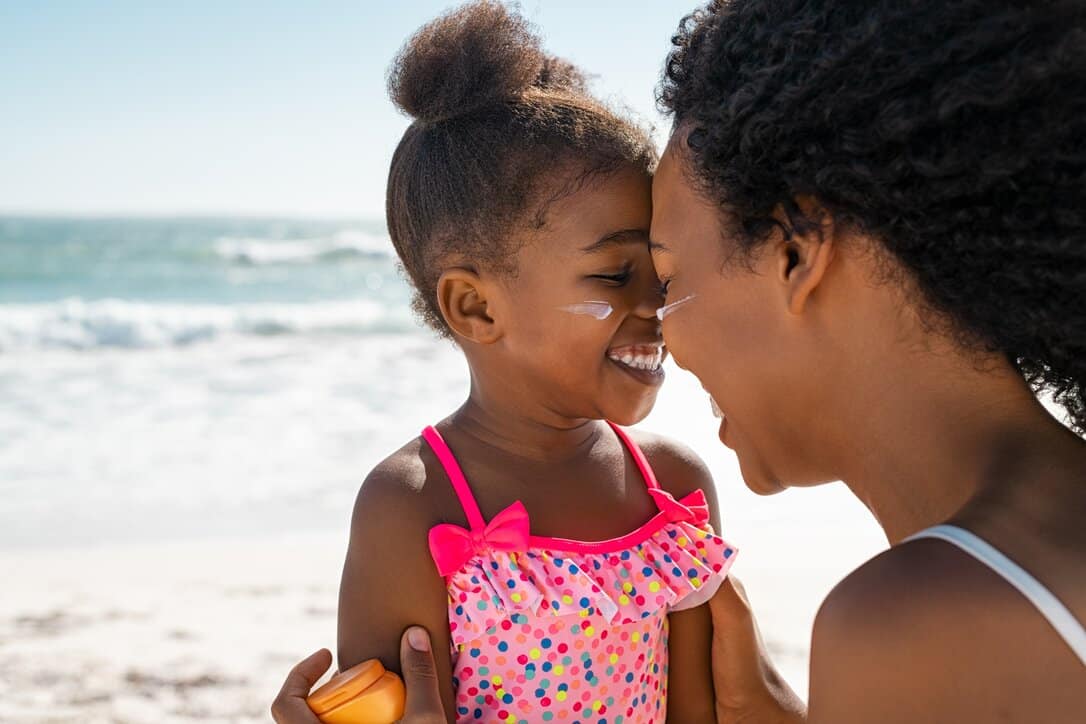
<point>693,508</point>
<point>452,546</point>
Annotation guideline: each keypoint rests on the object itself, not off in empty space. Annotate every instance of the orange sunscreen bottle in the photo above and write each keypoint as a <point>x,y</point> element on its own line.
<point>363,694</point>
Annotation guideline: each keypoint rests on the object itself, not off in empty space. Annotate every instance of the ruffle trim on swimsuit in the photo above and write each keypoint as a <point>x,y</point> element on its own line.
<point>500,575</point>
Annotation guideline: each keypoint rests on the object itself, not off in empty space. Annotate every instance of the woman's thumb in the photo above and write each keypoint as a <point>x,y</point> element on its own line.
<point>420,678</point>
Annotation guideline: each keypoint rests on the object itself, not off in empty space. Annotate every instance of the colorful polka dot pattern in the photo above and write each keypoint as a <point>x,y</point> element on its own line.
<point>543,635</point>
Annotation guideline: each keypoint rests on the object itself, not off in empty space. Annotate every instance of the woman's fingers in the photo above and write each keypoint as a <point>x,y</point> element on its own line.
<point>290,707</point>
<point>420,677</point>
<point>748,686</point>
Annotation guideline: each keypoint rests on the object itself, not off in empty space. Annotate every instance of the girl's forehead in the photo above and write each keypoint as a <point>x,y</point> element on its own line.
<point>598,207</point>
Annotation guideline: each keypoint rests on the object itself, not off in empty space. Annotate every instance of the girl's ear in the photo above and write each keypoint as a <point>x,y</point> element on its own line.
<point>804,257</point>
<point>463,298</point>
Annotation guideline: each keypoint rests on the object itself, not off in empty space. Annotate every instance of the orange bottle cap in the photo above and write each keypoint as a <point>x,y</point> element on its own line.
<point>345,686</point>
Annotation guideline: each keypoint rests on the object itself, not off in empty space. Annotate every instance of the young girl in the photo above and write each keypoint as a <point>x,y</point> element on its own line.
<point>560,559</point>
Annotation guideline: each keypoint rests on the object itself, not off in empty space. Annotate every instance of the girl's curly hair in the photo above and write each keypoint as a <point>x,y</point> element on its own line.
<point>500,130</point>
<point>953,132</point>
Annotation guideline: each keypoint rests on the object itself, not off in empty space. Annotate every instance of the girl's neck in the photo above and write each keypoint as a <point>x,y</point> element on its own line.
<point>525,431</point>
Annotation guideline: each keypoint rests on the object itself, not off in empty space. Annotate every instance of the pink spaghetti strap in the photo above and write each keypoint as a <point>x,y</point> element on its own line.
<point>456,477</point>
<point>638,456</point>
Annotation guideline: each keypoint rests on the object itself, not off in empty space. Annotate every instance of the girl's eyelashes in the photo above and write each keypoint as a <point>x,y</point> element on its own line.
<point>663,286</point>
<point>616,280</point>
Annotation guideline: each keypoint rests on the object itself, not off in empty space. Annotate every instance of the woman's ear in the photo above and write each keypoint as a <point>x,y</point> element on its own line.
<point>804,257</point>
<point>463,298</point>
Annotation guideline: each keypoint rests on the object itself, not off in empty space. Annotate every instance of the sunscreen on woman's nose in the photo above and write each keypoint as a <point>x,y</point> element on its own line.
<point>596,310</point>
<point>363,694</point>
<point>665,311</point>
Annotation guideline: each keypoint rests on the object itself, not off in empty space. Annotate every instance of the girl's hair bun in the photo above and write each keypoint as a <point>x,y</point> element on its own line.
<point>477,56</point>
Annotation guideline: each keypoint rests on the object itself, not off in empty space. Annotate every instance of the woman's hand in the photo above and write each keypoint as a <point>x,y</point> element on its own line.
<point>420,677</point>
<point>748,687</point>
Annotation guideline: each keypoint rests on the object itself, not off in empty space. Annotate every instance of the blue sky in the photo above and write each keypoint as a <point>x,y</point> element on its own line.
<point>261,108</point>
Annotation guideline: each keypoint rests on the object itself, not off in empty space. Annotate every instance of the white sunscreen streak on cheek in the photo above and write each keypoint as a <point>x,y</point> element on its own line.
<point>596,310</point>
<point>663,312</point>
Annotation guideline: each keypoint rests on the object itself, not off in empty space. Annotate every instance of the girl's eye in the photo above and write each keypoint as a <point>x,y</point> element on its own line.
<point>664,284</point>
<point>617,280</point>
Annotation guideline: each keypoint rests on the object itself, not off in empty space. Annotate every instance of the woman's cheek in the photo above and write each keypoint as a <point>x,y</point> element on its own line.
<point>678,338</point>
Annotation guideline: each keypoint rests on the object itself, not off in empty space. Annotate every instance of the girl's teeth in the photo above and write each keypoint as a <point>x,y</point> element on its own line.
<point>649,361</point>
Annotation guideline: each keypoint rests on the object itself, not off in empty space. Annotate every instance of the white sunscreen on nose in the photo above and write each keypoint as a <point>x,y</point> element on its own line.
<point>717,412</point>
<point>665,311</point>
<point>596,310</point>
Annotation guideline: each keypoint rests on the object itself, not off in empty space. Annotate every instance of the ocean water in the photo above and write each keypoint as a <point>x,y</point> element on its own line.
<point>223,378</point>
<point>181,378</point>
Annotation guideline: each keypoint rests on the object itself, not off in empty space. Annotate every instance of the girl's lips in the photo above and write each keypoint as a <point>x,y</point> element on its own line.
<point>651,353</point>
<point>642,361</point>
<point>653,377</point>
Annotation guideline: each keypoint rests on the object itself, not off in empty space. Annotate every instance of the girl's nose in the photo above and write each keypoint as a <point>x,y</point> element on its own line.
<point>649,297</point>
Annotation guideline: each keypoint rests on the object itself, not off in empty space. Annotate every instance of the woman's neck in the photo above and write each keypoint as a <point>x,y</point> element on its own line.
<point>921,451</point>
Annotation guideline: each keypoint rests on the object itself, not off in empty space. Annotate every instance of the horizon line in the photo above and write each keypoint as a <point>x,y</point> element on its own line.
<point>183,215</point>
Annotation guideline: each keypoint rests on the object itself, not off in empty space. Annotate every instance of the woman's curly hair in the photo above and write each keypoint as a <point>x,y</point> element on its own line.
<point>954,132</point>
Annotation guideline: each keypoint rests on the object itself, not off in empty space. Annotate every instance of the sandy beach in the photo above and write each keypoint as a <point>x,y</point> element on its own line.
<point>205,631</point>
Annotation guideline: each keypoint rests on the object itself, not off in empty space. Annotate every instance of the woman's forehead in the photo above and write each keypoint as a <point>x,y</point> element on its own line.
<point>674,203</point>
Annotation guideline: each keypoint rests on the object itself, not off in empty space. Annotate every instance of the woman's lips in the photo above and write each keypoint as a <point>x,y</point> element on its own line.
<point>719,414</point>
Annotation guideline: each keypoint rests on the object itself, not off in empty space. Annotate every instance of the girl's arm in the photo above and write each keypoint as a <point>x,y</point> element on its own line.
<point>389,579</point>
<point>690,678</point>
<point>690,696</point>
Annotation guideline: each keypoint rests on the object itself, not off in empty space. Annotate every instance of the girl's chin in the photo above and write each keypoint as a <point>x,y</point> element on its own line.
<point>631,416</point>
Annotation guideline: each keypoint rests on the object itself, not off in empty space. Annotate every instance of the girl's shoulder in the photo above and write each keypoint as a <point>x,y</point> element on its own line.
<point>678,469</point>
<point>407,491</point>
<point>389,580</point>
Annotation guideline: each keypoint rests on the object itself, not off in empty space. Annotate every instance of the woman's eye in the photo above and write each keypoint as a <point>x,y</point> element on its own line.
<point>664,284</point>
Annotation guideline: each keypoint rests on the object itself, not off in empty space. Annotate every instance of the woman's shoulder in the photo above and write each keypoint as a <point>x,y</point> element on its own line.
<point>924,627</point>
<point>918,581</point>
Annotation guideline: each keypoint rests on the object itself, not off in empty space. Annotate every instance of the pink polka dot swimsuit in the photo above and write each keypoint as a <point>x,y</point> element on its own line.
<point>554,630</point>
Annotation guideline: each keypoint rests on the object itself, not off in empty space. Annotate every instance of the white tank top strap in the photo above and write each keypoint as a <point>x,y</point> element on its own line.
<point>1065,623</point>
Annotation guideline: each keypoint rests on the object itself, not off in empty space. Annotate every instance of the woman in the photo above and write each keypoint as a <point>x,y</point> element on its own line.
<point>878,213</point>
<point>881,210</point>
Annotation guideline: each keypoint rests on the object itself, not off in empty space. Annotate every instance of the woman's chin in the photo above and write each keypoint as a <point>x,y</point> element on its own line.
<point>764,487</point>
<point>758,480</point>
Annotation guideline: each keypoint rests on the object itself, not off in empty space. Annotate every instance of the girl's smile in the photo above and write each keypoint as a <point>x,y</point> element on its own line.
<point>642,361</point>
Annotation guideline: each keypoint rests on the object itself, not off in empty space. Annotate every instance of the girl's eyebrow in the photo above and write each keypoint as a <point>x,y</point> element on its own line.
<point>657,246</point>
<point>617,238</point>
